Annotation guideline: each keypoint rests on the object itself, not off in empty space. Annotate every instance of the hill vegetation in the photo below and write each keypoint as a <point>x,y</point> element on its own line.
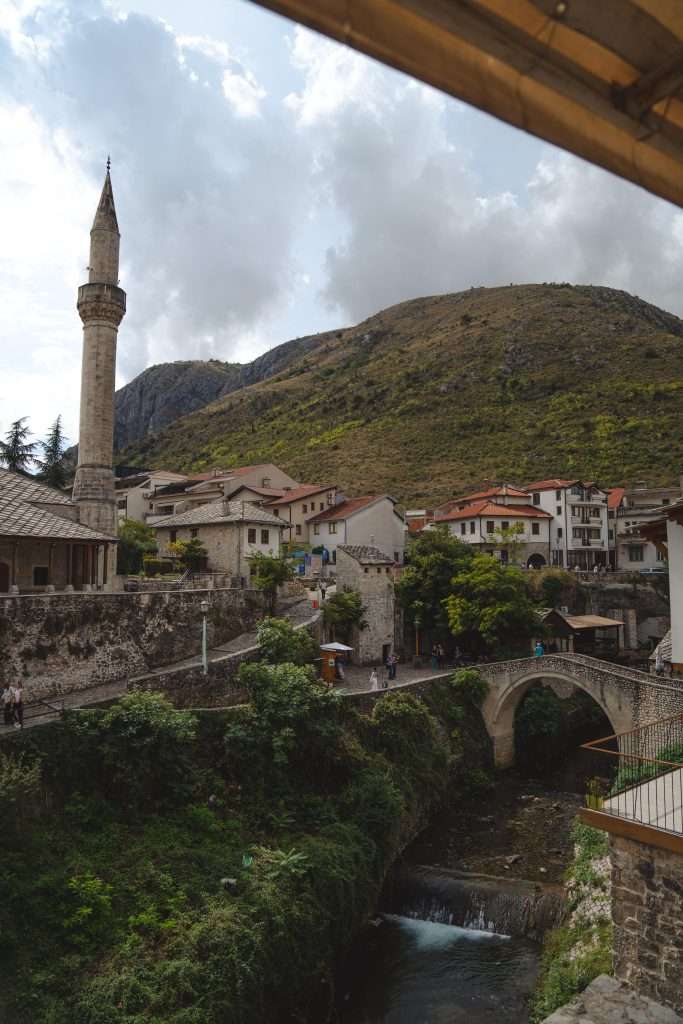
<point>438,394</point>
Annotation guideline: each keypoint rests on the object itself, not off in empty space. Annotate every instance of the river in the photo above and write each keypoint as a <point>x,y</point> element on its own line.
<point>494,865</point>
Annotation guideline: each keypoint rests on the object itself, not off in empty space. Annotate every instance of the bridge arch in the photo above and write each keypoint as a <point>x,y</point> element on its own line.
<point>506,692</point>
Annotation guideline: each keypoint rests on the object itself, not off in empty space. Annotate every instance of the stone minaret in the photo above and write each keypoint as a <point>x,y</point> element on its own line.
<point>101,305</point>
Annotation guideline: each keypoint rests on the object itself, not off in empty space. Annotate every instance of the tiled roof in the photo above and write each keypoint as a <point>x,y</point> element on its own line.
<point>365,554</point>
<point>493,492</point>
<point>664,648</point>
<point>125,482</point>
<point>488,508</point>
<point>25,488</point>
<point>615,496</point>
<point>344,509</point>
<point>21,516</point>
<point>221,512</point>
<point>301,492</point>
<point>551,485</point>
<point>265,492</point>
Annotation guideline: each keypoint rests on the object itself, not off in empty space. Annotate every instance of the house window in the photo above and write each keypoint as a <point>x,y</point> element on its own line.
<point>194,531</point>
<point>276,511</point>
<point>576,491</point>
<point>536,498</point>
<point>660,556</point>
<point>594,534</point>
<point>316,528</point>
<point>558,495</point>
<point>305,507</point>
<point>463,528</point>
<point>559,533</point>
<point>121,504</point>
<point>595,512</point>
<point>635,553</point>
<point>490,526</point>
<point>265,482</point>
<point>379,571</point>
<point>330,497</point>
<point>558,510</point>
<point>265,536</point>
<point>536,529</point>
<point>334,557</point>
<point>611,534</point>
<point>665,501</point>
<point>577,533</point>
<point>332,527</point>
<point>366,569</point>
<point>297,529</point>
<point>505,526</point>
<point>396,557</point>
<point>251,535</point>
<point>173,535</point>
<point>40,576</point>
<point>472,527</point>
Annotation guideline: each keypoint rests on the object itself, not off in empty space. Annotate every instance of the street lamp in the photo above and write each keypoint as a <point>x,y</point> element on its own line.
<point>204,606</point>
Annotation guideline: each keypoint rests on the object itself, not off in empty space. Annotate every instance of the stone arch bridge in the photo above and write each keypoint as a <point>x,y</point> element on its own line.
<point>629,698</point>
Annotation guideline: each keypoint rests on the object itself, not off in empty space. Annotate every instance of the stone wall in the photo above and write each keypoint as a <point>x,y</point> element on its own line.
<point>647,910</point>
<point>67,642</point>
<point>615,600</point>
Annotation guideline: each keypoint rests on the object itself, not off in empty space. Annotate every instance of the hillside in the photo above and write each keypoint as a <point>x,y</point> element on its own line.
<point>440,393</point>
<point>163,393</point>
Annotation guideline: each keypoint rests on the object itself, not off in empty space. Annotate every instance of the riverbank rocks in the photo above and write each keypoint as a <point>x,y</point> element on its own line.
<point>608,1001</point>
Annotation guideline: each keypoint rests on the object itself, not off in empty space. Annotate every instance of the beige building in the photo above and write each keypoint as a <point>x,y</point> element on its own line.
<point>371,521</point>
<point>299,505</point>
<point>230,531</point>
<point>486,522</point>
<point>133,492</point>
<point>369,572</point>
<point>204,488</point>
<point>43,546</point>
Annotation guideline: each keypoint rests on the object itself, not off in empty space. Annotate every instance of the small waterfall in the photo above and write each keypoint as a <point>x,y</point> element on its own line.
<point>507,906</point>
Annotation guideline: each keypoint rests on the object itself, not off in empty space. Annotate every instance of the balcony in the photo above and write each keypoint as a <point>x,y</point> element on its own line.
<point>638,788</point>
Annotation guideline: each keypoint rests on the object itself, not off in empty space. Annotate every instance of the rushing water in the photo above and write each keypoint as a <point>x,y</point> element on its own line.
<point>407,971</point>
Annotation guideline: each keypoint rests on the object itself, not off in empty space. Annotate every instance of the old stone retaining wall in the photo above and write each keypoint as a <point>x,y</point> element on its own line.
<point>647,910</point>
<point>63,643</point>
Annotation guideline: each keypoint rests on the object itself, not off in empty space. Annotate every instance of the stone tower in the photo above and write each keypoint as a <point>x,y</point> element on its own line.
<point>101,305</point>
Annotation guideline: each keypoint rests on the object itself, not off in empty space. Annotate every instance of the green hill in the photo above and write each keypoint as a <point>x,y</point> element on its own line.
<point>436,394</point>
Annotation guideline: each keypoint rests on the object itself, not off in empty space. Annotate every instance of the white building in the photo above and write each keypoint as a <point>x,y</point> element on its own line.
<point>230,531</point>
<point>204,488</point>
<point>629,511</point>
<point>371,521</point>
<point>134,492</point>
<point>579,531</point>
<point>300,504</point>
<point>667,531</point>
<point>486,523</point>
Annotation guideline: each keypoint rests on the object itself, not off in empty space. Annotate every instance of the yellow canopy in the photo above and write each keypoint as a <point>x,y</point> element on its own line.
<point>601,78</point>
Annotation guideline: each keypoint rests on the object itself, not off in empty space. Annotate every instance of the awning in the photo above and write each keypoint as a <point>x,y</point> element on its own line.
<point>338,648</point>
<point>600,78</point>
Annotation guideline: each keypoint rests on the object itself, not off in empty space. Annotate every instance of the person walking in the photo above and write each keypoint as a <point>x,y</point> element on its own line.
<point>440,655</point>
<point>19,706</point>
<point>393,662</point>
<point>539,649</point>
<point>374,681</point>
<point>659,663</point>
<point>435,657</point>
<point>7,697</point>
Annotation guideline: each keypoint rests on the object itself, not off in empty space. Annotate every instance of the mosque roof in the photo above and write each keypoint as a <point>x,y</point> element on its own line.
<point>23,511</point>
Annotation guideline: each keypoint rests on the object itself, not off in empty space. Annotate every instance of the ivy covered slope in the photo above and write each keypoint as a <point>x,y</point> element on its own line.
<point>164,868</point>
<point>436,394</point>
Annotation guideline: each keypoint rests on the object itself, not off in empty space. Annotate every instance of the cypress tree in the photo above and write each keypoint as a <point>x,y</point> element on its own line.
<point>51,466</point>
<point>16,451</point>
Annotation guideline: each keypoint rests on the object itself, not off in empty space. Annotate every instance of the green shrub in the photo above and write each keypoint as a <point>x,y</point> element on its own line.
<point>470,686</point>
<point>279,641</point>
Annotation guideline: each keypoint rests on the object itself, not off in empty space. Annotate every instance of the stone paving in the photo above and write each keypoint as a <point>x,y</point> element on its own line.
<point>608,1001</point>
<point>357,677</point>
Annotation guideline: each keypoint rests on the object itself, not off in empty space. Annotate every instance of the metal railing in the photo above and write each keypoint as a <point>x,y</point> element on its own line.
<point>639,775</point>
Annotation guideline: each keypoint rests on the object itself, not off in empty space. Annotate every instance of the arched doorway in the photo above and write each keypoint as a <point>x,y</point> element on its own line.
<point>4,577</point>
<point>536,562</point>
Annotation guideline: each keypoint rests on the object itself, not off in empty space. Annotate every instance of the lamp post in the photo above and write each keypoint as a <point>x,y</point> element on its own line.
<point>205,660</point>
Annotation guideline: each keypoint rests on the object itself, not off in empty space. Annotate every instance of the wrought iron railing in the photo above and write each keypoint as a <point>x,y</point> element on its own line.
<point>639,775</point>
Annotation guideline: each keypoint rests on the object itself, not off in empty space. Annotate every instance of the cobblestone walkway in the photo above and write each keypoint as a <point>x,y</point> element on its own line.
<point>357,678</point>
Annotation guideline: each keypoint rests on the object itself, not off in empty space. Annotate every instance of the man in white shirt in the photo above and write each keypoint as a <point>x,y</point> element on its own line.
<point>7,698</point>
<point>18,706</point>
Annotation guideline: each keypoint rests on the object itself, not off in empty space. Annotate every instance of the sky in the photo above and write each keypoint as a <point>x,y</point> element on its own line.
<point>269,184</point>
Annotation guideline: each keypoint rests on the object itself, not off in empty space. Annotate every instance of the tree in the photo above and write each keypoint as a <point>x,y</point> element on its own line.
<point>433,559</point>
<point>16,451</point>
<point>508,539</point>
<point>51,467</point>
<point>191,553</point>
<point>343,611</point>
<point>280,642</point>
<point>489,608</point>
<point>135,541</point>
<point>268,573</point>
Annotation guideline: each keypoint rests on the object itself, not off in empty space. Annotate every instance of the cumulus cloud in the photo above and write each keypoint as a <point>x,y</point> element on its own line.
<point>241,205</point>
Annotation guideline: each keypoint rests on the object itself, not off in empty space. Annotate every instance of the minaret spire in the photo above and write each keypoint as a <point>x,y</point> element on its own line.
<point>101,305</point>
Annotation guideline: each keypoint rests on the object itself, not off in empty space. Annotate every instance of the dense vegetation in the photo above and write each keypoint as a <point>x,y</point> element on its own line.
<point>162,867</point>
<point>438,394</point>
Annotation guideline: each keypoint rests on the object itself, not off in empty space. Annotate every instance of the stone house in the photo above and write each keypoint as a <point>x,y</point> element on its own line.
<point>629,510</point>
<point>43,546</point>
<point>204,488</point>
<point>368,571</point>
<point>299,505</point>
<point>230,531</point>
<point>371,520</point>
<point>481,522</point>
<point>133,492</point>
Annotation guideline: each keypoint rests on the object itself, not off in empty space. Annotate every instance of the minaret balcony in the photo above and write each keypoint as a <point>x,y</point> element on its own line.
<point>101,302</point>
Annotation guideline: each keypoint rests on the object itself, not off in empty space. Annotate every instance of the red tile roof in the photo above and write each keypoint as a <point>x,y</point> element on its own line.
<point>344,509</point>
<point>265,492</point>
<point>615,496</point>
<point>489,508</point>
<point>551,485</point>
<point>504,490</point>
<point>301,492</point>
